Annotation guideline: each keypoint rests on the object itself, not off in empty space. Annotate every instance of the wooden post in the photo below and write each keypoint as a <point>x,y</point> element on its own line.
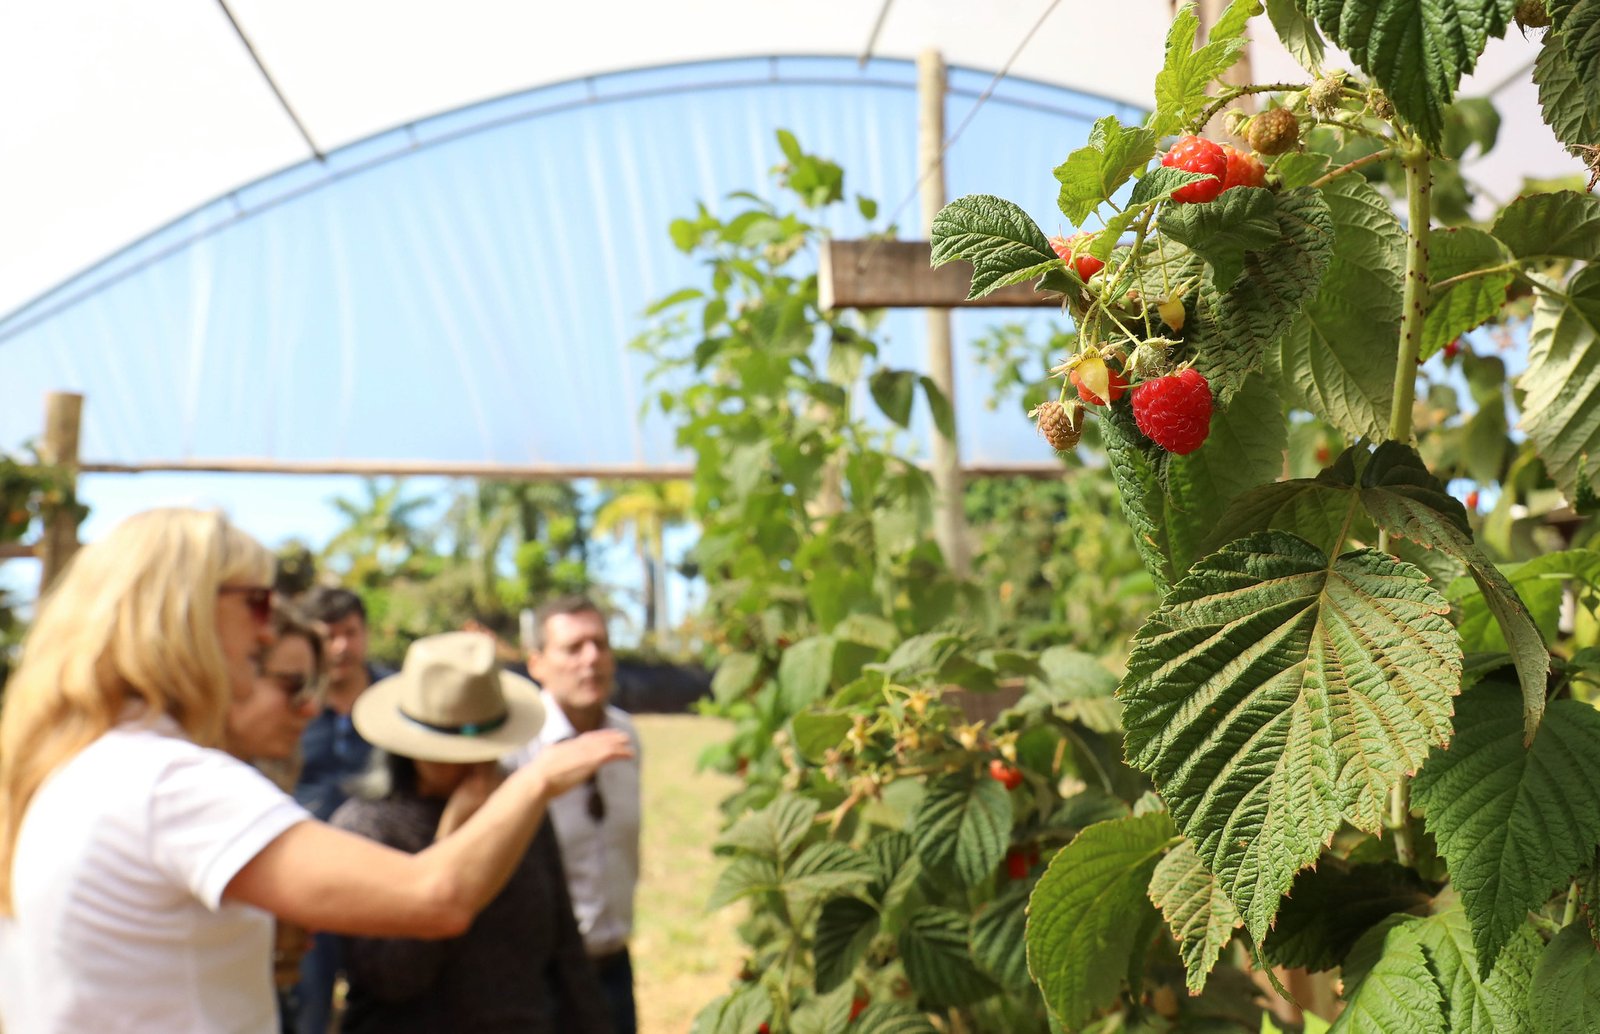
<point>63,415</point>
<point>1240,74</point>
<point>949,522</point>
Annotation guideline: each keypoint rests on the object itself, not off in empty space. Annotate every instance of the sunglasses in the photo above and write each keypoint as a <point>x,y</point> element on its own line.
<point>299,688</point>
<point>597,803</point>
<point>258,598</point>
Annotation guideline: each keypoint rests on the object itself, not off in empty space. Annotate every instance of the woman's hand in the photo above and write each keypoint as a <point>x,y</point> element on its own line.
<point>562,766</point>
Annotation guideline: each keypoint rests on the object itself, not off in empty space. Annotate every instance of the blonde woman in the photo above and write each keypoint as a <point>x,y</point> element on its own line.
<point>138,863</point>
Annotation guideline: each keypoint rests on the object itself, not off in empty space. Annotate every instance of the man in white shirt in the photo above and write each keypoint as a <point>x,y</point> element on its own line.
<point>597,825</point>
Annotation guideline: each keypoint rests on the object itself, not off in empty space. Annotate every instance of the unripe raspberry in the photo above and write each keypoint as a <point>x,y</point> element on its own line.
<point>1324,96</point>
<point>1382,106</point>
<point>1532,14</point>
<point>1197,154</point>
<point>1172,313</point>
<point>1274,131</point>
<point>1097,382</point>
<point>1062,427</point>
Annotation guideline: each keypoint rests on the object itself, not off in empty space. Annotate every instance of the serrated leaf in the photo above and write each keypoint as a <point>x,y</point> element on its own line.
<point>816,733</point>
<point>1298,33</point>
<point>1541,583</point>
<point>944,417</point>
<point>1244,449</point>
<point>963,824</point>
<point>1183,82</point>
<point>1578,24</point>
<point>1397,994</point>
<point>774,831</point>
<point>1513,823</point>
<point>745,1010</point>
<point>1561,405</point>
<point>1565,998</point>
<point>884,1018</point>
<point>845,929</point>
<point>736,673</point>
<point>894,391</point>
<point>1277,692</point>
<point>1338,359</point>
<point>999,938</point>
<point>1095,171</point>
<point>1085,910</point>
<point>1198,913</point>
<point>824,869</point>
<point>1408,501</point>
<point>1334,905</point>
<point>1472,302</point>
<point>1321,510</point>
<point>1136,468</point>
<point>933,947</point>
<point>1077,687</point>
<point>825,1013</point>
<point>745,875</point>
<point>805,671</point>
<point>1235,329</point>
<point>1570,105</point>
<point>1159,184</point>
<point>1416,52</point>
<point>1560,225</point>
<point>1474,1004</point>
<point>1240,220</point>
<point>993,234</point>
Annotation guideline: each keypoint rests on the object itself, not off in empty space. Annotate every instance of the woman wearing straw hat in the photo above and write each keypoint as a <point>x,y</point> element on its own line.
<point>139,865</point>
<point>440,725</point>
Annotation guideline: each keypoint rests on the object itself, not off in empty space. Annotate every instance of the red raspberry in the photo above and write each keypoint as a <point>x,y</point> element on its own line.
<point>1004,774</point>
<point>1244,169</point>
<point>1085,265</point>
<point>1174,412</point>
<point>1453,349</point>
<point>858,1005</point>
<point>1017,864</point>
<point>1472,500</point>
<point>1197,154</point>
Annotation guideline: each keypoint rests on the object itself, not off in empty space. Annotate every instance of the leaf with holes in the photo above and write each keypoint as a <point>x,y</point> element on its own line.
<point>1278,692</point>
<point>964,825</point>
<point>1200,916</point>
<point>996,236</point>
<point>1087,909</point>
<point>1513,823</point>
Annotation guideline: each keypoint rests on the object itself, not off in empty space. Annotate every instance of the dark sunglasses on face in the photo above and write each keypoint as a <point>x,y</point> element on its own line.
<point>299,688</point>
<point>258,598</point>
<point>597,803</point>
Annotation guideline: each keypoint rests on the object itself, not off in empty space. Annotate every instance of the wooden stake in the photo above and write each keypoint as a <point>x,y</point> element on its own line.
<point>63,416</point>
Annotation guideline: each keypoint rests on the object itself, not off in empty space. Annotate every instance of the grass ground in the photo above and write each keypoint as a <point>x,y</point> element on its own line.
<point>683,957</point>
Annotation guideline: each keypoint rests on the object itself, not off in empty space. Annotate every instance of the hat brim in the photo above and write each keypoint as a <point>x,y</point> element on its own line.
<point>378,719</point>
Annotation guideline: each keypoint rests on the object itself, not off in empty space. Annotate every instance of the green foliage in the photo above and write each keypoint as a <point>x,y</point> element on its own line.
<point>1396,992</point>
<point>1566,985</point>
<point>1562,382</point>
<point>1184,80</point>
<point>1514,823</point>
<point>1197,912</point>
<point>1094,172</point>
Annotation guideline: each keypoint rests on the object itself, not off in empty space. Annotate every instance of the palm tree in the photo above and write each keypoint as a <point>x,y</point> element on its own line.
<point>380,535</point>
<point>643,511</point>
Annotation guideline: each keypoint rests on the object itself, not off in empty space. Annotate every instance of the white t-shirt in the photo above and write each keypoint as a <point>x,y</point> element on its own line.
<point>121,862</point>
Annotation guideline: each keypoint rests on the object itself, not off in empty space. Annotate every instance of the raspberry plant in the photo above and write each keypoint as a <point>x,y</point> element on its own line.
<point>1373,744</point>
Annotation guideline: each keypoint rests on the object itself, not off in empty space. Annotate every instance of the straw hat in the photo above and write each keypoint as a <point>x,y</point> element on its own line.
<point>450,702</point>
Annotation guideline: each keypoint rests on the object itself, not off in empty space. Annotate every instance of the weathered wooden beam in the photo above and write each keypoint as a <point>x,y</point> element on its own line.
<point>497,471</point>
<point>865,274</point>
<point>17,550</point>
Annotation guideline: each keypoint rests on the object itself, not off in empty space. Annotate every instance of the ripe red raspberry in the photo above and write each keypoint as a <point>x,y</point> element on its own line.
<point>1004,774</point>
<point>1244,169</point>
<point>1472,500</point>
<point>1453,349</point>
<point>858,1005</point>
<point>1174,412</point>
<point>1017,864</point>
<point>1197,154</point>
<point>1085,265</point>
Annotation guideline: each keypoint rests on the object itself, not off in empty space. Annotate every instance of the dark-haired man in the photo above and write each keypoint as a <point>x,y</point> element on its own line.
<point>597,825</point>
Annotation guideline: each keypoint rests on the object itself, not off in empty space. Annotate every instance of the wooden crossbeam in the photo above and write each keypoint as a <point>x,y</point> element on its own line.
<point>867,274</point>
<point>498,471</point>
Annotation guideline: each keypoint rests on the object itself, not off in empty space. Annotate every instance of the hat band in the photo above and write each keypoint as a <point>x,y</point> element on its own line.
<point>468,729</point>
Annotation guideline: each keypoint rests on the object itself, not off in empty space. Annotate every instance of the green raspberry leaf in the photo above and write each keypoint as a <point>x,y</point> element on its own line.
<point>1577,22</point>
<point>1159,184</point>
<point>1278,692</point>
<point>1338,357</point>
<point>933,947</point>
<point>845,929</point>
<point>1188,72</point>
<point>1541,583</point>
<point>964,824</point>
<point>1198,913</point>
<point>1232,330</point>
<point>773,832</point>
<point>1475,1004</point>
<point>894,391</point>
<point>1540,228</point>
<point>993,234</point>
<point>1087,910</point>
<point>1561,386</point>
<point>1566,985</point>
<point>1416,50</point>
<point>999,937</point>
<point>1398,992</point>
<point>1333,905</point>
<point>1571,105</point>
<point>1241,220</point>
<point>1513,823</point>
<point>1095,171</point>
<point>1298,33</point>
<point>1471,302</point>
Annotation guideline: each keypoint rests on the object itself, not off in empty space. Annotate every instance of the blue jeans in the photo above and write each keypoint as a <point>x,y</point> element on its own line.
<point>616,980</point>
<point>318,970</point>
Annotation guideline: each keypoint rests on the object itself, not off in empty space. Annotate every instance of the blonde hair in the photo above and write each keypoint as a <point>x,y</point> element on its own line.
<point>132,620</point>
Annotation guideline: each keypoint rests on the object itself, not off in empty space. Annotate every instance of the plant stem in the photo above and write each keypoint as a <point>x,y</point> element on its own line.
<point>1361,162</point>
<point>1227,97</point>
<point>1413,310</point>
